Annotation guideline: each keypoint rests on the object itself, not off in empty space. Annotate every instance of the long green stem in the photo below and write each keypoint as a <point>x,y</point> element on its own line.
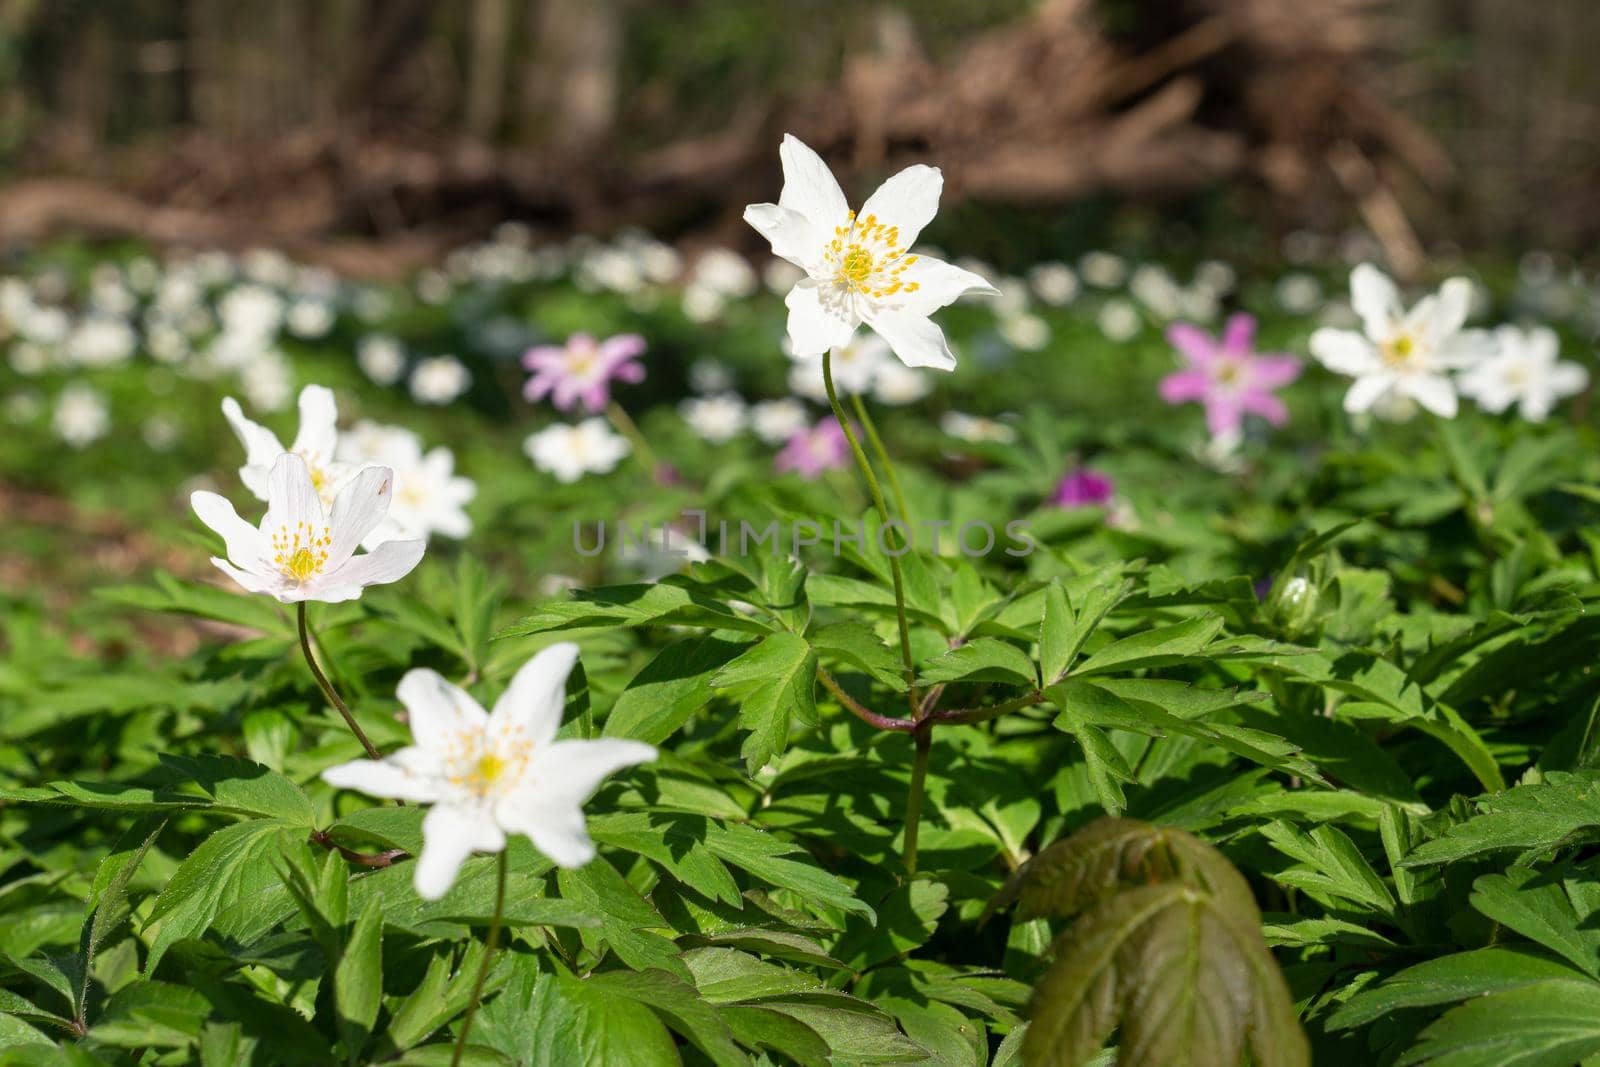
<point>327,687</point>
<point>883,517</point>
<point>883,458</point>
<point>629,429</point>
<point>923,737</point>
<point>488,958</point>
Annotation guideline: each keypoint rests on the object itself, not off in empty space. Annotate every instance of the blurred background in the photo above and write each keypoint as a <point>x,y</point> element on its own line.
<point>373,135</point>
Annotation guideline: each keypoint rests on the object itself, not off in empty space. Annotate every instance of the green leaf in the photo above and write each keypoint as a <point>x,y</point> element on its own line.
<point>856,644</point>
<point>231,867</point>
<point>108,900</point>
<point>1460,976</point>
<point>1160,647</point>
<point>774,682</point>
<point>554,1020</point>
<point>1561,811</point>
<point>222,784</point>
<point>983,659</point>
<point>662,604</point>
<point>670,689</point>
<point>1558,915</point>
<point>1331,866</point>
<point>1544,1024</point>
<point>1056,633</point>
<point>358,981</point>
<point>680,1006</point>
<point>181,597</point>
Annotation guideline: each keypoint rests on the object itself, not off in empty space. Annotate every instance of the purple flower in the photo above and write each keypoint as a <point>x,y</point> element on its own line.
<point>1083,488</point>
<point>581,371</point>
<point>810,452</point>
<point>1227,375</point>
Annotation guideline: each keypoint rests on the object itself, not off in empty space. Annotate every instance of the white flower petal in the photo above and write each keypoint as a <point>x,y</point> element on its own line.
<point>449,835</point>
<point>1451,309</point>
<point>1344,351</point>
<point>938,284</point>
<point>250,583</point>
<point>383,778</point>
<point>1432,391</point>
<point>245,545</point>
<point>908,201</point>
<point>362,505</point>
<point>820,317</point>
<point>537,692</point>
<point>438,710</point>
<point>914,338</point>
<point>810,188</point>
<point>1366,391</point>
<point>319,418</point>
<point>790,233</point>
<point>1374,297</point>
<point>389,562</point>
<point>292,496</point>
<point>261,447</point>
<point>562,835</point>
<point>1568,378</point>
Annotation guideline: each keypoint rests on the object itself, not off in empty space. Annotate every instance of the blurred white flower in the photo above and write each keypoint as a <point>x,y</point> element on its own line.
<point>1298,293</point>
<point>1216,276</point>
<point>897,384</point>
<point>716,419</point>
<point>1054,283</point>
<point>159,432</point>
<point>1119,321</point>
<point>429,497</point>
<point>251,311</point>
<point>976,428</point>
<point>310,319</point>
<point>433,287</point>
<point>1525,369</point>
<point>724,271</point>
<point>1400,353</point>
<point>303,551</point>
<point>1013,298</point>
<point>27,358</point>
<point>381,359</point>
<point>780,276</point>
<point>775,421</point>
<point>570,452</point>
<point>43,325</point>
<point>1157,290</point>
<point>22,406</point>
<point>101,341</point>
<point>855,368</point>
<point>439,380</point>
<point>81,416</point>
<point>1103,270</point>
<point>165,342</point>
<point>858,268</point>
<point>487,775</point>
<point>1026,332</point>
<point>702,304</point>
<point>709,376</point>
<point>266,382</point>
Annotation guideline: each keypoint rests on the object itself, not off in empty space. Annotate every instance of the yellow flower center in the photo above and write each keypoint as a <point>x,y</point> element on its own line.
<point>866,257</point>
<point>301,553</point>
<point>489,768</point>
<point>1400,352</point>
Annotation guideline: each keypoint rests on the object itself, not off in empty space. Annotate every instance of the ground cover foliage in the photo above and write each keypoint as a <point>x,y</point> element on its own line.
<point>1279,753</point>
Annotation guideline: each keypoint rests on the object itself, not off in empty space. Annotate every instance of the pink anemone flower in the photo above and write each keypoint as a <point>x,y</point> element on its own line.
<point>809,452</point>
<point>581,371</point>
<point>1227,376</point>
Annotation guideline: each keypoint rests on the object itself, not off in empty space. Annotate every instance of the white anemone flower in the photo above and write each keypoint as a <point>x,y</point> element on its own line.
<point>859,267</point>
<point>717,419</point>
<point>302,551</point>
<point>316,442</point>
<point>570,452</point>
<point>1400,354</point>
<point>775,421</point>
<point>492,774</point>
<point>429,497</point>
<point>1525,370</point>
